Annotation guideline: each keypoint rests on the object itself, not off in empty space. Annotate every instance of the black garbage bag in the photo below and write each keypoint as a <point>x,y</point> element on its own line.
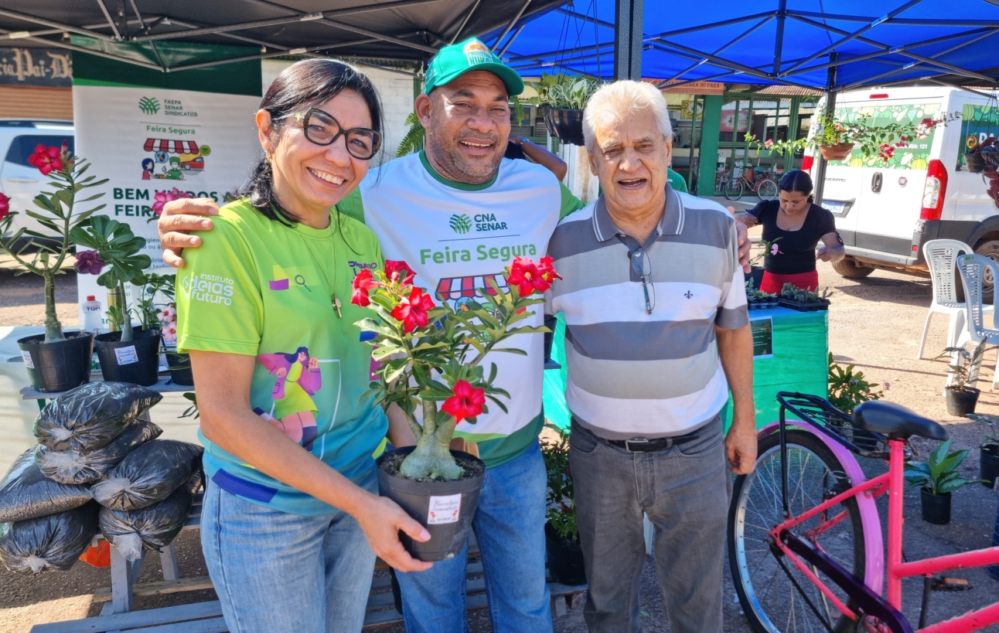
<point>74,467</point>
<point>148,475</point>
<point>53,542</point>
<point>90,416</point>
<point>25,493</point>
<point>153,527</point>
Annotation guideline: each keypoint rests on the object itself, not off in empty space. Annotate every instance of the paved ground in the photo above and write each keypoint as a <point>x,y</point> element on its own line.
<point>874,324</point>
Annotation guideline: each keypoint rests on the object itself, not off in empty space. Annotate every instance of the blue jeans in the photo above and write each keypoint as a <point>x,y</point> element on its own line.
<point>277,572</point>
<point>509,525</point>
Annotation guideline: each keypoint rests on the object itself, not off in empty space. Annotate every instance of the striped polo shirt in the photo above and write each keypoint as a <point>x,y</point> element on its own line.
<point>631,373</point>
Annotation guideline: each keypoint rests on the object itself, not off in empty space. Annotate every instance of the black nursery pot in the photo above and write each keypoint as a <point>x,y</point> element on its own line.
<point>756,274</point>
<point>988,464</point>
<point>961,403</point>
<point>564,124</point>
<point>565,558</point>
<point>59,366</point>
<point>136,361</point>
<point>180,369</point>
<point>433,504</point>
<point>936,508</point>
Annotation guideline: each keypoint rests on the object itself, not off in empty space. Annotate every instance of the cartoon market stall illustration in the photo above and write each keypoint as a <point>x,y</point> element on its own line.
<point>173,159</point>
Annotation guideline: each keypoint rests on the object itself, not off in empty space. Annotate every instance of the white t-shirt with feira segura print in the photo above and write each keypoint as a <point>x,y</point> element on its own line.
<point>457,237</point>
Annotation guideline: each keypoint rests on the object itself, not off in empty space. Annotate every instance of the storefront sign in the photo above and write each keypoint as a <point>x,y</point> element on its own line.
<point>36,67</point>
<point>148,140</point>
<point>696,88</point>
<point>763,337</point>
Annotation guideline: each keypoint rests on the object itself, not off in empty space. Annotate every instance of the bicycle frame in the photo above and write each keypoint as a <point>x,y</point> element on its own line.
<point>887,610</point>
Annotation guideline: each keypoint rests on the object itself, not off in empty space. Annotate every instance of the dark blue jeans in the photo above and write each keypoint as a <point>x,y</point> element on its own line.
<point>684,490</point>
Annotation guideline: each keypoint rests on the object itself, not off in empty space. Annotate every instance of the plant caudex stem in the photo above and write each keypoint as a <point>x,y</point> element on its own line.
<point>431,459</point>
<point>126,323</point>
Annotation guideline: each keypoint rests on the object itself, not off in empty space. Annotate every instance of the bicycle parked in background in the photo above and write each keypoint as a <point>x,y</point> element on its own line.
<point>805,541</point>
<point>763,184</point>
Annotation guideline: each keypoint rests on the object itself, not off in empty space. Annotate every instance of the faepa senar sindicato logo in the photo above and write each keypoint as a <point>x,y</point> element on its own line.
<point>149,105</point>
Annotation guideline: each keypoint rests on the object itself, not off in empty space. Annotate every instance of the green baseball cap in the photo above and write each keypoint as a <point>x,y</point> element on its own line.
<point>457,59</point>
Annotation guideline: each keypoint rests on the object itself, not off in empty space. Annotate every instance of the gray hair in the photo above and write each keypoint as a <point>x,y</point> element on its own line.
<point>622,98</point>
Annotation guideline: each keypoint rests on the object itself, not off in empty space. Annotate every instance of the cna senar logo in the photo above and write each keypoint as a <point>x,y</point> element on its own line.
<point>460,223</point>
<point>209,288</point>
<point>149,105</point>
<point>481,222</point>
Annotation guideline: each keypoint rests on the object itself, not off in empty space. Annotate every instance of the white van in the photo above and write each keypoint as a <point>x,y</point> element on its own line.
<point>886,212</point>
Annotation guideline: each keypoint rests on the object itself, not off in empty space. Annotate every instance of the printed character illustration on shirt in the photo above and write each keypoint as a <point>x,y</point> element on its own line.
<point>462,291</point>
<point>298,379</point>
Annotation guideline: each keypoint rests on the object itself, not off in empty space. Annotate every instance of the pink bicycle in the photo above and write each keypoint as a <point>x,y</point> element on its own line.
<point>805,543</point>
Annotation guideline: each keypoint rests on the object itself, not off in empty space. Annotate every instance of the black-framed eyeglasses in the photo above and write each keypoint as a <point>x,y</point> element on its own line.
<point>323,129</point>
<point>642,265</point>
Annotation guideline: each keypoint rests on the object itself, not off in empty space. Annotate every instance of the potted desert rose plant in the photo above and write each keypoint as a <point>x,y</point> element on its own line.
<point>132,353</point>
<point>56,360</point>
<point>431,361</point>
<point>961,396</point>
<point>565,554</point>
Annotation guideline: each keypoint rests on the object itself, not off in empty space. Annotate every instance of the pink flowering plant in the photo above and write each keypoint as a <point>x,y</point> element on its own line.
<point>59,213</point>
<point>160,198</point>
<point>431,356</point>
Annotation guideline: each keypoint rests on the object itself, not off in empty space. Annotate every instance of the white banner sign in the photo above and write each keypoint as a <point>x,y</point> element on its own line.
<point>150,140</point>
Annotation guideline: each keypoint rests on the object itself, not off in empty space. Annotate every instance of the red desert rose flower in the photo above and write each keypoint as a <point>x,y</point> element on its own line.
<point>4,206</point>
<point>547,270</point>
<point>363,282</point>
<point>46,159</point>
<point>466,402</point>
<point>399,271</point>
<point>528,278</point>
<point>412,310</point>
<point>88,263</point>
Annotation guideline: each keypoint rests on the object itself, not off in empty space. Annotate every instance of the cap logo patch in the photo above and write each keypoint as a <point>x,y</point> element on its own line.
<point>477,53</point>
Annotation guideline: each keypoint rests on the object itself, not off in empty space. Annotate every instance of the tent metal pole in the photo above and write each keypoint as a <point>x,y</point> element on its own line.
<point>512,38</point>
<point>57,25</point>
<point>586,18</point>
<point>107,16</point>
<point>740,37</point>
<point>540,56</point>
<point>510,25</point>
<point>779,40</point>
<point>705,27</point>
<point>858,33</point>
<point>819,181</point>
<point>20,35</point>
<point>952,85</point>
<point>468,16</point>
<point>294,51</point>
<point>80,49</point>
<point>954,69</point>
<point>628,36</point>
<point>712,59</point>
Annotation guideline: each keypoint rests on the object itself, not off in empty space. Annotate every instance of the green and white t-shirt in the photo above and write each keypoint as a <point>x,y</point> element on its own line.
<point>260,288</point>
<point>456,237</point>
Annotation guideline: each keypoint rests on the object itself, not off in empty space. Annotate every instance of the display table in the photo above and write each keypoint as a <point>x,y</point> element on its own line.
<point>790,354</point>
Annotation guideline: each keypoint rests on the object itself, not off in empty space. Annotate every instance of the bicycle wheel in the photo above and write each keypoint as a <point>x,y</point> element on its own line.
<point>767,189</point>
<point>732,188</point>
<point>769,598</point>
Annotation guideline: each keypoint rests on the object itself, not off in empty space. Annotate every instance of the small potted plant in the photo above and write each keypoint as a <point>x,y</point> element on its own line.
<point>431,360</point>
<point>565,554</point>
<point>937,478</point>
<point>562,99</point>
<point>132,353</point>
<point>849,388</point>
<point>988,450</point>
<point>56,361</point>
<point>804,300</point>
<point>961,396</point>
<point>836,138</point>
<point>154,314</point>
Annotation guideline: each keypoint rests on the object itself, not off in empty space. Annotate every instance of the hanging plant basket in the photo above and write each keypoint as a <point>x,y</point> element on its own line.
<point>975,161</point>
<point>564,124</point>
<point>840,151</point>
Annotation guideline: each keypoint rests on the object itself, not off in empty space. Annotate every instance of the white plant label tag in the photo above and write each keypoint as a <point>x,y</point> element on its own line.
<point>444,509</point>
<point>126,355</point>
<point>27,359</point>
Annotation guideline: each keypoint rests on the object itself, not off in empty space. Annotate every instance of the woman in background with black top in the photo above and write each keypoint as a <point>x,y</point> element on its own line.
<point>793,227</point>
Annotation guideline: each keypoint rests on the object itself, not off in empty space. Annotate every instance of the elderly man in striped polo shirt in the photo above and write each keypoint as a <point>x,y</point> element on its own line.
<point>656,334</point>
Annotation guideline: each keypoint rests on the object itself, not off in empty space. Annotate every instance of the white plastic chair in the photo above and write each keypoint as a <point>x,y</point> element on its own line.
<point>941,257</point>
<point>972,269</point>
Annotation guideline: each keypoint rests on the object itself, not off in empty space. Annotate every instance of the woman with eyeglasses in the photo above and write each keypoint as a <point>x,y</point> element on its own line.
<point>792,227</point>
<point>292,522</point>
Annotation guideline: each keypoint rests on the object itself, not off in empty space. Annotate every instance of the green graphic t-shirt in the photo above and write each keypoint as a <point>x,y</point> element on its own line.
<point>260,288</point>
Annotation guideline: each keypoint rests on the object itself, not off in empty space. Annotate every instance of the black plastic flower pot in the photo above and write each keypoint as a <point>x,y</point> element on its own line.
<point>961,403</point>
<point>565,124</point>
<point>565,558</point>
<point>136,361</point>
<point>988,464</point>
<point>805,306</point>
<point>180,369</point>
<point>445,508</point>
<point>975,162</point>
<point>59,366</point>
<point>936,508</point>
<point>756,274</point>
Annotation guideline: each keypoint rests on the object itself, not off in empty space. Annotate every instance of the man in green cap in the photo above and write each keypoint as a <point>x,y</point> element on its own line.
<point>458,213</point>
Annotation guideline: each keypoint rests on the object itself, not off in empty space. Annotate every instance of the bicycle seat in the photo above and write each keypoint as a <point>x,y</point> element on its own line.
<point>896,422</point>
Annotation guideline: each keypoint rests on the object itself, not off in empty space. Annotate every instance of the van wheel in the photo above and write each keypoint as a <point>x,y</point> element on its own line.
<point>852,270</point>
<point>990,249</point>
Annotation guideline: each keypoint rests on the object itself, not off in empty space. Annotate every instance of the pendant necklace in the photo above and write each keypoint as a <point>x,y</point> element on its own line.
<point>334,300</point>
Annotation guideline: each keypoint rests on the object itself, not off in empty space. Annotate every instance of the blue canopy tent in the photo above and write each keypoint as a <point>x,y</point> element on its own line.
<point>789,42</point>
